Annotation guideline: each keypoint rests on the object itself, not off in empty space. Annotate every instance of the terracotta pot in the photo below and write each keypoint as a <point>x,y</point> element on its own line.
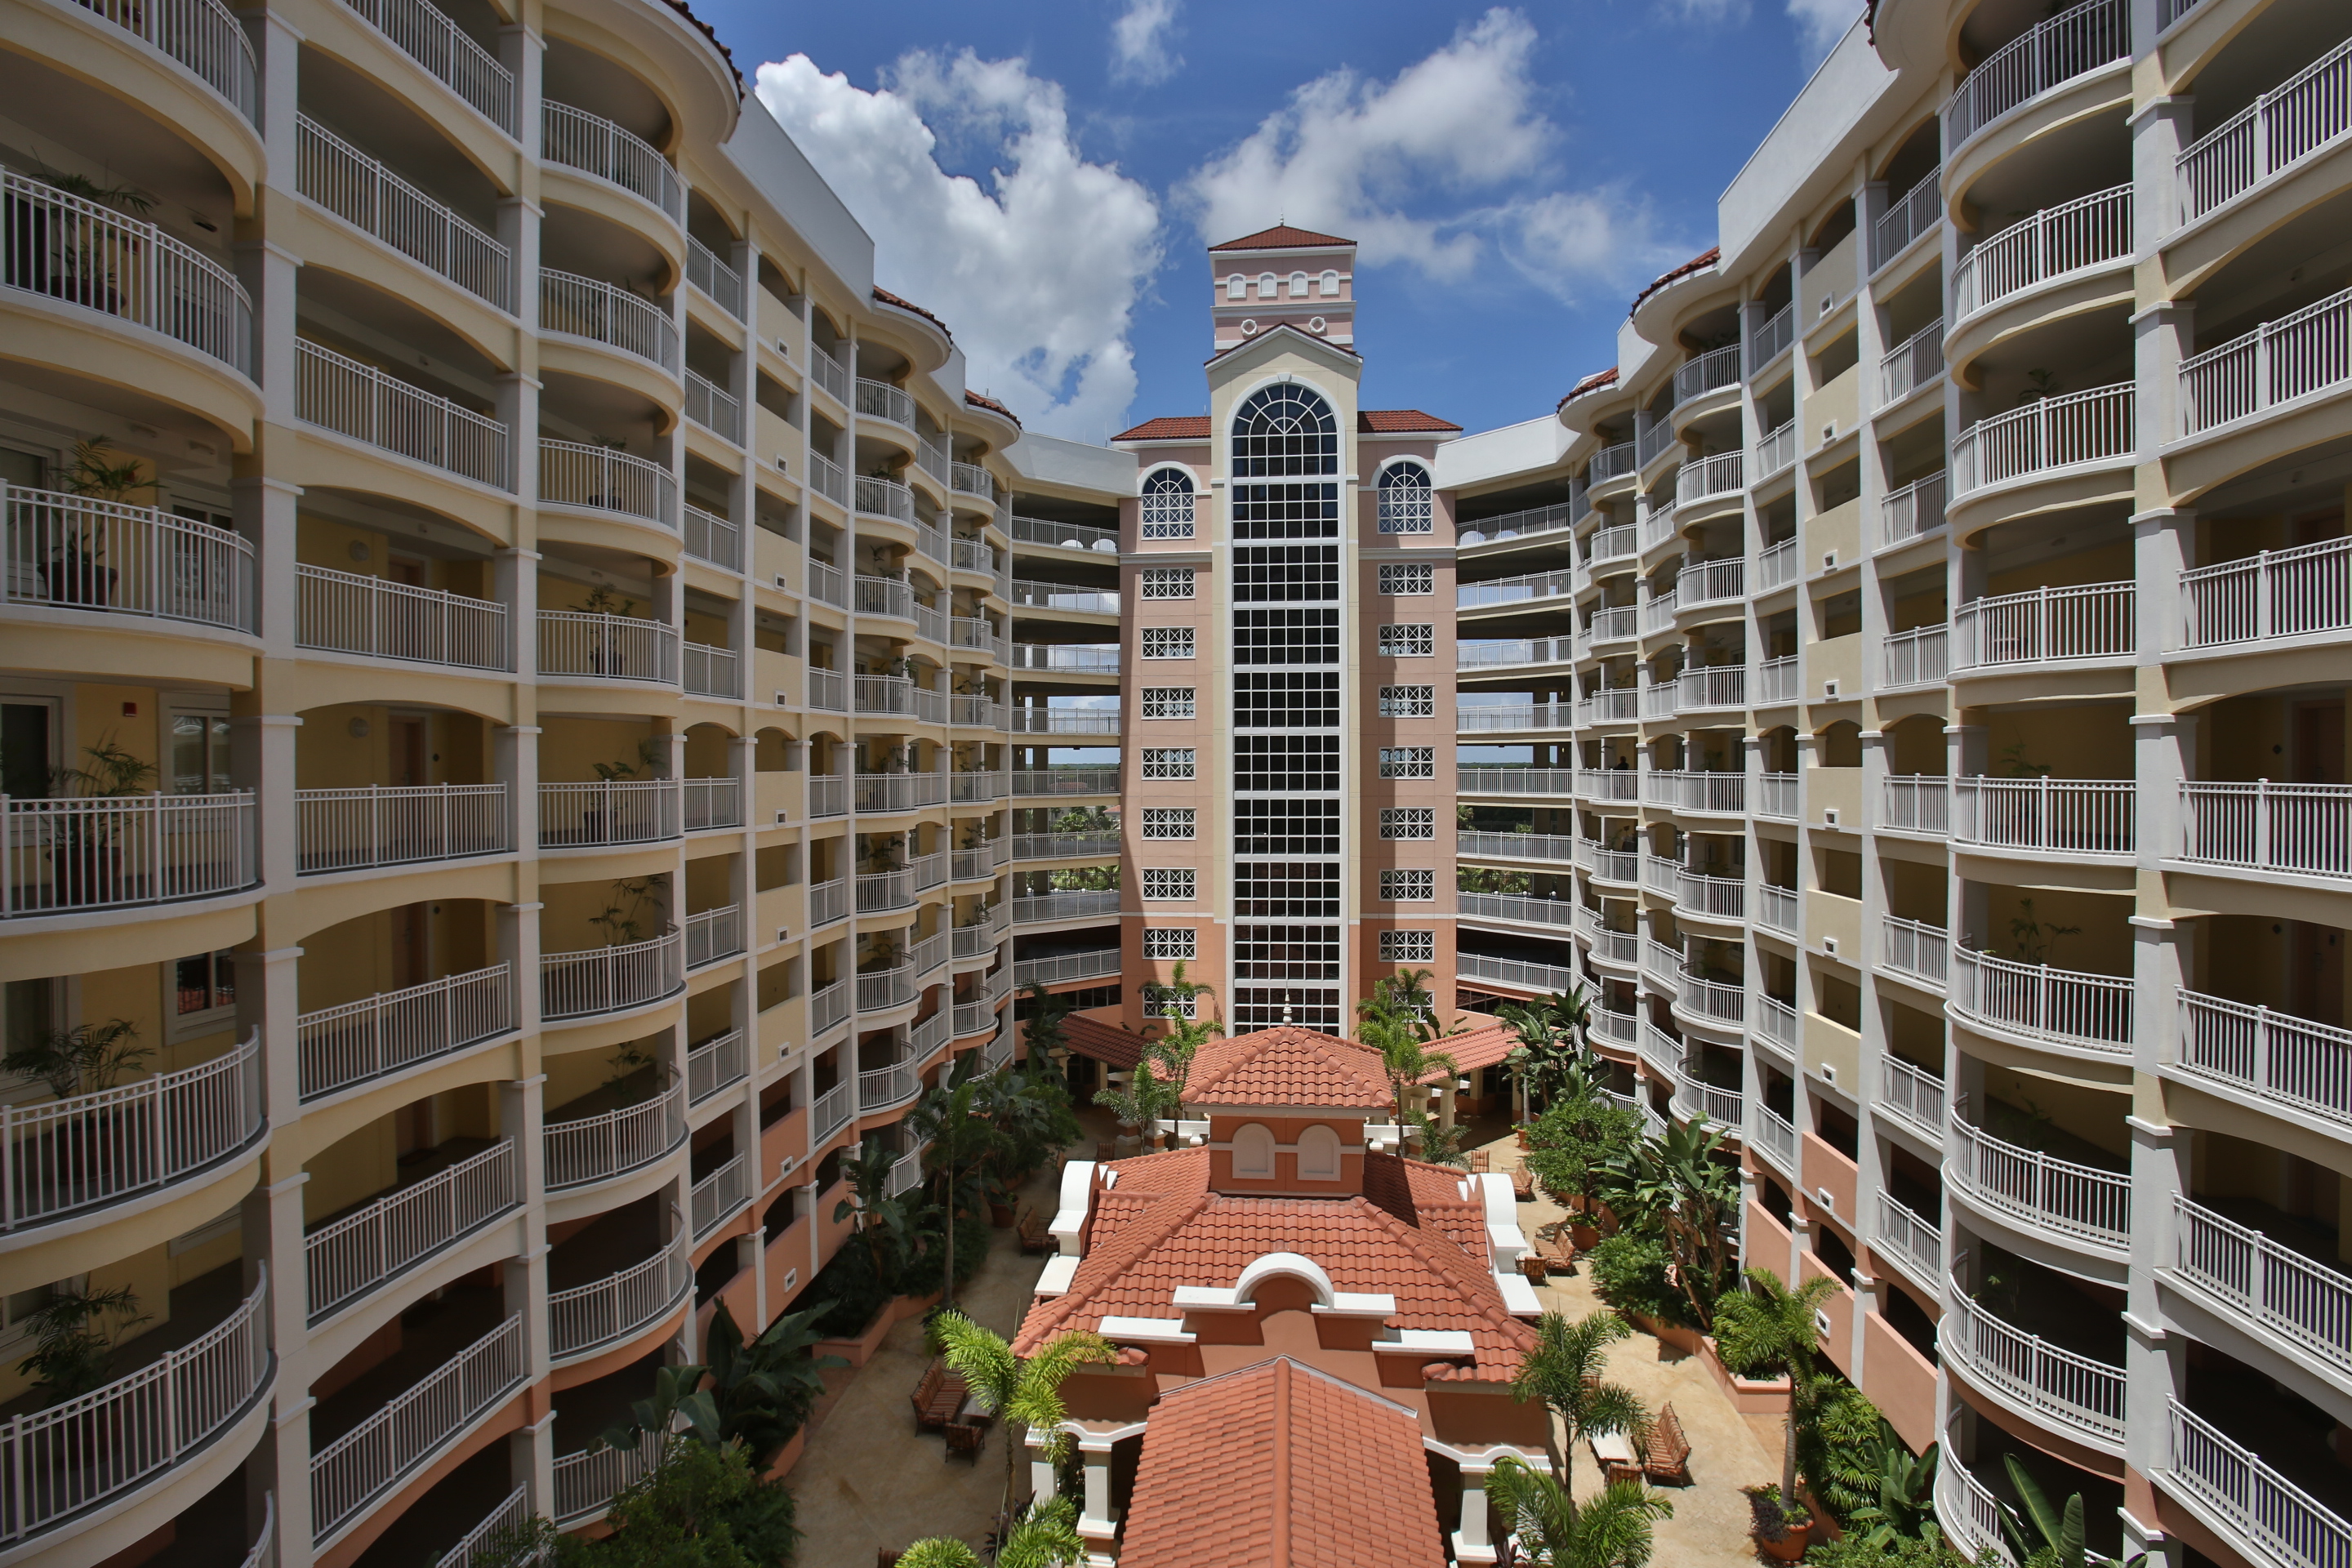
<point>1792,1544</point>
<point>1000,1216</point>
<point>1585,1236</point>
<point>1523,1138</point>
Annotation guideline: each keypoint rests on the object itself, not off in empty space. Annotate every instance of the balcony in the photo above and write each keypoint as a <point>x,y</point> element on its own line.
<point>373,199</point>
<point>880,892</point>
<point>1915,803</point>
<point>1518,908</point>
<point>579,139</point>
<point>587,1482</point>
<point>1777,1137</point>
<point>1700,790</point>
<point>1696,1099</point>
<point>1770,339</point>
<point>1516,847</point>
<point>2302,829</point>
<point>607,648</point>
<point>1065,846</point>
<point>375,617</point>
<point>2282,127</point>
<point>2269,1055</point>
<point>967,713</point>
<point>90,1151</point>
<point>1065,967</point>
<point>1514,780</point>
<point>1043,907</point>
<point>1714,1000</point>
<point>73,856</point>
<point>81,253</point>
<point>1921,657</point>
<point>586,1318</point>
<point>1914,509</point>
<point>596,479</point>
<point>720,1195</point>
<point>712,935</point>
<point>137,1426</point>
<point>2091,231</point>
<point>2076,818</point>
<point>356,829</point>
<point>828,692</point>
<point>720,282</point>
<point>79,552</point>
<point>1654,440</point>
<point>609,813</point>
<point>1613,1028</point>
<point>708,671</point>
<point>880,400</point>
<point>404,1436</point>
<point>1970,1515</point>
<point>2081,1014</point>
<point>1613,622</point>
<point>2076,1203</point>
<point>979,787</point>
<point>1609,545</point>
<point>1492,654</point>
<point>1906,219</point>
<point>2069,44</point>
<point>2048,1384</point>
<point>1518,590</point>
<point>430,38</point>
<point>2047,436</point>
<point>1776,1023</point>
<point>1468,719</point>
<point>611,979</point>
<point>713,802</point>
<point>1704,479</point>
<point>884,498</point>
<point>1776,794</point>
<point>1063,596</point>
<point>1064,721</point>
<point>1776,567</point>
<point>2297,356</point>
<point>1777,908</point>
<point>1517,974</point>
<point>355,1255</point>
<point>826,477</point>
<point>2096,622</point>
<point>340,393</point>
<point>2245,1277</point>
<point>828,902</point>
<point>2256,1508</point>
<point>1063,536</point>
<point>1701,896</point>
<point>1916,950</point>
<point>828,1005</point>
<point>394,1030</point>
<point>971,480</point>
<point>1917,361</point>
<point>1610,463</point>
<point>583,308</point>
<point>714,408</point>
<point>1910,1239</point>
<point>591,1149</point>
<point>1076,659</point>
<point>1710,372</point>
<point>1620,866</point>
<point>2304,592</point>
<point>1914,1095</point>
<point>1711,582</point>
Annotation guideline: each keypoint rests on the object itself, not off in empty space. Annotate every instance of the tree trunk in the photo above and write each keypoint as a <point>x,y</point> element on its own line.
<point>1789,1456</point>
<point>946,1285</point>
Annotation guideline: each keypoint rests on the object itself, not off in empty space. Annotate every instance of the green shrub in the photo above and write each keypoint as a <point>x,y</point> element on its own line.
<point>1631,1273</point>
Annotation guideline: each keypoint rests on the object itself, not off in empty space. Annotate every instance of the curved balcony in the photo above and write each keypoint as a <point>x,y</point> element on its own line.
<point>880,400</point>
<point>81,253</point>
<point>884,498</point>
<point>2273,594</point>
<point>1696,1099</point>
<point>394,1030</point>
<point>2309,111</point>
<point>1517,974</point>
<point>1662,963</point>
<point>358,829</point>
<point>375,617</point>
<point>358,1255</point>
<point>88,1152</point>
<point>1655,442</point>
<point>2060,1009</point>
<point>2076,818</point>
<point>368,1462</point>
<point>1610,546</point>
<point>587,1482</point>
<point>610,812</point>
<point>720,1195</point>
<point>2267,1056</point>
<point>607,648</point>
<point>1711,1001</point>
<point>1703,582</point>
<point>202,35</point>
<point>2248,1503</point>
<point>2047,1384</point>
<point>1701,896</point>
<point>2049,54</point>
<point>96,1446</point>
<point>337,393</point>
<point>1711,479</point>
<point>1659,873</point>
<point>1970,1514</point>
<point>593,1149</point>
<point>1614,622</point>
<point>2094,623</point>
<point>596,479</point>
<point>79,552</point>
<point>427,36</point>
<point>884,1090</point>
<point>2049,436</point>
<point>1710,372</point>
<point>611,979</point>
<point>66,857</point>
<point>2077,1206</point>
<point>2247,1278</point>
<point>579,306</point>
<point>2089,232</point>
<point>595,145</point>
<point>361,191</point>
<point>587,1318</point>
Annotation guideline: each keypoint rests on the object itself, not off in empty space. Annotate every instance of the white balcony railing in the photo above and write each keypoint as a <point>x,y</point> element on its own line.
<point>586,308</point>
<point>2091,231</point>
<point>592,1149</point>
<point>1722,898</point>
<point>1623,543</point>
<point>513,1510</point>
<point>2081,1202</point>
<point>1911,364</point>
<point>883,497</point>
<point>76,1454</point>
<point>2272,1056</point>
<point>350,829</point>
<point>611,979</point>
<point>1711,582</point>
<point>1777,449</point>
<point>427,36</point>
<point>1518,907</point>
<point>2089,1012</point>
<point>615,811</point>
<point>828,902</point>
<point>1707,373</point>
<point>1771,337</point>
<point>89,1151</point>
<point>1513,590</point>
<point>880,400</point>
<point>1776,908</point>
<point>1907,218</point>
<point>1065,967</point>
<point>1720,1001</point>
<point>375,617</point>
<point>589,1317</point>
<point>607,648</point>
<point>721,282</point>
<point>1920,656</point>
<point>2274,1519</point>
<point>713,934</point>
<point>971,480</point>
<point>1517,974</point>
<point>1711,686</point>
<point>2299,592</point>
<point>708,671</point>
<point>2309,111</point>
<point>598,478</point>
<point>82,253</point>
<point>1514,780</point>
<point>1915,948</point>
<point>402,1437</point>
<point>202,35</point>
<point>2060,816</point>
<point>393,1030</point>
<point>2046,54</point>
<point>357,1253</point>
<point>832,375</point>
<point>1065,846</point>
<point>595,145</point>
<point>1776,1021</point>
<point>2261,825</point>
<point>1912,1094</point>
<point>2295,1296</point>
<point>1695,1099</point>
<point>1970,1515</point>
<point>1540,716</point>
<point>719,1196</point>
<point>587,1482</point>
<point>1916,803</point>
<point>1777,1136</point>
<point>369,196</point>
<point>1776,567</point>
<point>1722,474</point>
<point>713,803</point>
<point>1916,509</point>
<point>1063,536</point>
<point>2092,621</point>
<point>1776,795</point>
<point>118,852</point>
<point>2296,356</point>
<point>1064,906</point>
<point>713,407</point>
<point>338,393</point>
<point>80,553</point>
<point>2048,434</point>
<point>827,478</point>
<point>828,692</point>
<point>1517,847</point>
<point>2061,1387</point>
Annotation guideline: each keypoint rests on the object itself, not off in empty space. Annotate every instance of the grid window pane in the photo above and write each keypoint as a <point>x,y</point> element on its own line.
<point>1168,762</point>
<point>1285,512</point>
<point>1287,826</point>
<point>1164,1002</point>
<point>1417,640</point>
<point>1408,947</point>
<point>1167,821</point>
<point>1402,577</point>
<point>1286,952</point>
<point>1263,1006</point>
<point>1407,702</point>
<point>1404,822</point>
<point>1170,941</point>
<point>1405,505</point>
<point>1285,429</point>
<point>1287,637</point>
<point>1293,763</point>
<point>1407,886</point>
<point>1167,582</point>
<point>1278,889</point>
<point>1168,508</point>
<point>1307,700</point>
<point>1172,883</point>
<point>1168,642</point>
<point>1408,762</point>
<point>1285,573</point>
<point>1168,702</point>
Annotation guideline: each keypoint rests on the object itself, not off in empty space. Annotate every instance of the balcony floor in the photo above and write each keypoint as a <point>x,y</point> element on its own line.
<point>605,1246</point>
<point>195,1309</point>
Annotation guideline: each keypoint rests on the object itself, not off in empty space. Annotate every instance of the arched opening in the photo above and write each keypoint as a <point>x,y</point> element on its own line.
<point>1253,1150</point>
<point>1318,1154</point>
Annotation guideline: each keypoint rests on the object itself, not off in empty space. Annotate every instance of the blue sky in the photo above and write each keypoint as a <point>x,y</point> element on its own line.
<point>1044,175</point>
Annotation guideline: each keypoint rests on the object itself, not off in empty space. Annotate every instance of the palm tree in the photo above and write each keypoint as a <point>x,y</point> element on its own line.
<point>1046,1537</point>
<point>1770,1328</point>
<point>1405,1057</point>
<point>1677,1180</point>
<point>1611,1531</point>
<point>1565,1371</point>
<point>957,1141</point>
<point>761,1390</point>
<point>1022,1390</point>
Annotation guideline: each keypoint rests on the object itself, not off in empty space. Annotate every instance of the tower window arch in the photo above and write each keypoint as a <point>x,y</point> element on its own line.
<point>1406,506</point>
<point>1298,285</point>
<point>1236,287</point>
<point>1331,284</point>
<point>1168,505</point>
<point>1253,1150</point>
<point>1318,1153</point>
<point>1266,285</point>
<point>1282,431</point>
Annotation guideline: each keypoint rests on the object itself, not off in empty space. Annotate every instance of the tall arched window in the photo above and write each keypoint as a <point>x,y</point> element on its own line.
<point>1236,287</point>
<point>1318,1153</point>
<point>1168,505</point>
<point>1284,431</point>
<point>1298,285</point>
<point>1405,506</point>
<point>1253,1150</point>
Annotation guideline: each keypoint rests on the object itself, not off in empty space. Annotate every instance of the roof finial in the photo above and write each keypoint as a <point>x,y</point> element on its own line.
<point>1285,1015</point>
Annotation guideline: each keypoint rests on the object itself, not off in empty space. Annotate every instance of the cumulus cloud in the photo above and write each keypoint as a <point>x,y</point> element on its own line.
<point>1036,271</point>
<point>1820,24</point>
<point>1435,168</point>
<point>1140,47</point>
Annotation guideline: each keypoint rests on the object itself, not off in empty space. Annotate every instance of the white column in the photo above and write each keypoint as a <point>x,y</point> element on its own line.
<point>1096,1520</point>
<point>1475,1542</point>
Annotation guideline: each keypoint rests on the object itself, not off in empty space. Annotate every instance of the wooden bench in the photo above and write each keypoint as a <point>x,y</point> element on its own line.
<point>937,1397</point>
<point>1553,1246</point>
<point>1523,1183</point>
<point>1034,1235</point>
<point>1666,1457</point>
<point>1478,1162</point>
<point>965,1438</point>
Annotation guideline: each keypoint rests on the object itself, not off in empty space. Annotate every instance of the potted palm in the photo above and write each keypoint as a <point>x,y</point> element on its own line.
<point>1782,1526</point>
<point>77,574</point>
<point>86,857</point>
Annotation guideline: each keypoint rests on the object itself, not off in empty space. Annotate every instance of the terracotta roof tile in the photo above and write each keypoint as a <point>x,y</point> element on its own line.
<point>1399,421</point>
<point>976,401</point>
<point>1105,1043</point>
<point>1168,427</point>
<point>1281,236</point>
<point>1594,383</point>
<point>888,297</point>
<point>1288,1066</point>
<point>1481,1047</point>
<point>1704,260</point>
<point>1279,1466</point>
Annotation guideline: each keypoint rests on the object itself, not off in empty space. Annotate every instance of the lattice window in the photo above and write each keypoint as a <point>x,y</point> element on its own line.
<point>1168,642</point>
<point>1284,430</point>
<point>1405,502</point>
<point>1408,762</point>
<point>1400,578</point>
<point>1287,637</point>
<point>1168,762</point>
<point>1167,821</point>
<point>1402,822</point>
<point>1416,641</point>
<point>1165,884</point>
<point>1168,582</point>
<point>1406,885</point>
<point>1171,942</point>
<point>1407,702</point>
<point>1163,1002</point>
<point>1168,702</point>
<point>1408,947</point>
<point>1168,505</point>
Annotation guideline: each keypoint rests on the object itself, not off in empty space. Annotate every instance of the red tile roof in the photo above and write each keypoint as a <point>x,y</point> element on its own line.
<point>888,297</point>
<point>1288,1066</point>
<point>1281,327</point>
<point>1704,260</point>
<point>1594,383</point>
<point>1281,236</point>
<point>1280,1466</point>
<point>1168,427</point>
<point>1399,421</point>
<point>1480,1048</point>
<point>1412,1236</point>
<point>976,401</point>
<point>1107,1043</point>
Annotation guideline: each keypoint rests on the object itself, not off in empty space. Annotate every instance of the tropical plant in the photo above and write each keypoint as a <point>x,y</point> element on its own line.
<point>703,1506</point>
<point>1841,1446</point>
<point>762,1390</point>
<point>1608,1530</point>
<point>1042,1029</point>
<point>958,1141</point>
<point>1676,1185</point>
<point>1565,1371</point>
<point>602,600</point>
<point>1438,1143</point>
<point>84,1059</point>
<point>1770,1328</point>
<point>1047,1536</point>
<point>1024,1390</point>
<point>1029,1105</point>
<point>647,764</point>
<point>1553,1042</point>
<point>110,770</point>
<point>2034,941</point>
<point>2041,1537</point>
<point>1885,1492</point>
<point>885,1223</point>
<point>1774,1511</point>
<point>1389,1025</point>
<point>1636,1274</point>
<point>1931,1549</point>
<point>628,904</point>
<point>91,472</point>
<point>1580,1134</point>
<point>73,1335</point>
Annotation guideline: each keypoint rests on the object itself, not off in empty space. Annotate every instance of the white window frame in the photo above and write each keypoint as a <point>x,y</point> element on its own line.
<point>1169,822</point>
<point>1400,821</point>
<point>1331,284</point>
<point>1408,702</point>
<point>1171,943</point>
<point>1170,884</point>
<point>1408,639</point>
<point>1408,885</point>
<point>1165,642</point>
<point>1408,762</point>
<point>1408,947</point>
<point>1407,579</point>
<point>1164,583</point>
<point>1159,763</point>
<point>1165,702</point>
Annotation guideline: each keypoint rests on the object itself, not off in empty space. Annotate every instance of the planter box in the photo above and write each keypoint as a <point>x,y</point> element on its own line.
<point>791,1455</point>
<point>1749,1395</point>
<point>860,1350</point>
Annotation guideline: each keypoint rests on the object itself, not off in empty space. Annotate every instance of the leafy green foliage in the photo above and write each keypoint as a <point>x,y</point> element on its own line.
<point>1567,1369</point>
<point>1025,1391</point>
<point>1635,1275</point>
<point>1609,1530</point>
<point>701,1507</point>
<point>1767,1329</point>
<point>1930,1549</point>
<point>84,1059</point>
<point>74,1334</point>
<point>1045,1537</point>
<point>1681,1188</point>
<point>1579,1136</point>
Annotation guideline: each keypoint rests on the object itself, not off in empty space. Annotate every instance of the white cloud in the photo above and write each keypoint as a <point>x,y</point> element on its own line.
<point>1731,11</point>
<point>1140,42</point>
<point>1037,274</point>
<point>1820,24</point>
<point>1388,163</point>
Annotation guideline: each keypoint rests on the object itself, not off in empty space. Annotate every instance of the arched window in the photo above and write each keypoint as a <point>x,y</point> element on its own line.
<point>1318,1154</point>
<point>1253,1150</point>
<point>1404,500</point>
<point>1266,285</point>
<point>1298,285</point>
<point>1331,285</point>
<point>1284,430</point>
<point>1168,505</point>
<point>1236,287</point>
